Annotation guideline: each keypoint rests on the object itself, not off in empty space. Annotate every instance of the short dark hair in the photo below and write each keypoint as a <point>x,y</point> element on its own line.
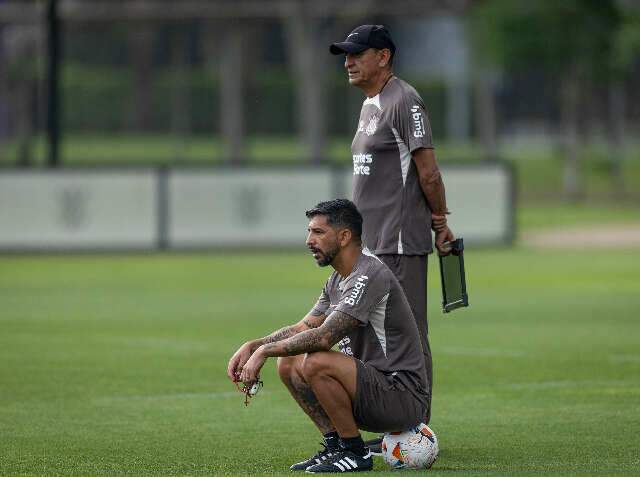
<point>339,212</point>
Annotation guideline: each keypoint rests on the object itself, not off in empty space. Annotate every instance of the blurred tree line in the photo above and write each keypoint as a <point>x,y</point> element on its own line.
<point>222,68</point>
<point>585,45</point>
<point>233,69</point>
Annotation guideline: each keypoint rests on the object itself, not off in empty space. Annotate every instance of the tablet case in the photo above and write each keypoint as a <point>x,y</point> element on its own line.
<point>454,287</point>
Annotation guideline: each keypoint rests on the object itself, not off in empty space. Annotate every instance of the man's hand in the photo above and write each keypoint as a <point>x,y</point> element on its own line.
<point>442,236</point>
<point>443,233</point>
<point>238,360</point>
<point>251,369</point>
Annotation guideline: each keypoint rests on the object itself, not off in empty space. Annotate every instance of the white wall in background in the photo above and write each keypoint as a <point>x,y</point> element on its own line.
<point>74,209</point>
<point>244,207</point>
<point>480,203</point>
<point>214,207</point>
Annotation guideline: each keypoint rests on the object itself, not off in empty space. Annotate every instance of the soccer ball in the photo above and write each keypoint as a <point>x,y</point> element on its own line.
<point>416,448</point>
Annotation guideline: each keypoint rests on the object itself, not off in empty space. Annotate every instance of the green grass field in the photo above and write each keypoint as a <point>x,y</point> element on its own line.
<point>115,365</point>
<point>543,216</point>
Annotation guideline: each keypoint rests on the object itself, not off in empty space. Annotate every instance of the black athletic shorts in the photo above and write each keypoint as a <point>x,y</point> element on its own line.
<point>383,404</point>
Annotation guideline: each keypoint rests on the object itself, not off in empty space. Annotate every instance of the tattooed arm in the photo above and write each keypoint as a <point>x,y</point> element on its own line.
<point>335,327</point>
<point>308,322</point>
<point>243,354</point>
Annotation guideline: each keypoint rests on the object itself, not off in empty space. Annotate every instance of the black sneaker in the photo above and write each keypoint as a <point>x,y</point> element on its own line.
<point>343,461</point>
<point>321,456</point>
<point>375,445</point>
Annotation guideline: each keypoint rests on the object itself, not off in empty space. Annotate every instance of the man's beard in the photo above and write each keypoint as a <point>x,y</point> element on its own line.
<point>327,257</point>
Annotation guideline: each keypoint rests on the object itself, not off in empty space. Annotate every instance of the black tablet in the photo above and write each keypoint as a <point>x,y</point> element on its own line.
<point>454,287</point>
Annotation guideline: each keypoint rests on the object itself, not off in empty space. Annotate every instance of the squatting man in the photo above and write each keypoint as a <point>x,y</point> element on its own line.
<point>377,381</point>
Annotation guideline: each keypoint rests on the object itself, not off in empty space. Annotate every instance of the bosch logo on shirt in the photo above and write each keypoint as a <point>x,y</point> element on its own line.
<point>360,167</point>
<point>418,122</point>
<point>356,291</point>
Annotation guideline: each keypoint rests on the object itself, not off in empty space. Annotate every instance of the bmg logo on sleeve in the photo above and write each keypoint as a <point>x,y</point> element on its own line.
<point>356,292</point>
<point>418,122</point>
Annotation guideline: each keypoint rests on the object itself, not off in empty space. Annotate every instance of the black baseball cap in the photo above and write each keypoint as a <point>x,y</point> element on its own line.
<point>363,37</point>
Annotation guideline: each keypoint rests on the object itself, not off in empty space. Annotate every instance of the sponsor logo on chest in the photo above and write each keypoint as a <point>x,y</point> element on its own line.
<point>361,165</point>
<point>343,346</point>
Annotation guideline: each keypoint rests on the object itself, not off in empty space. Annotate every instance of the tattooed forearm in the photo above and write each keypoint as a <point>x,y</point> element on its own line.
<point>281,334</point>
<point>338,325</point>
<point>309,324</point>
<point>307,342</point>
<point>334,328</point>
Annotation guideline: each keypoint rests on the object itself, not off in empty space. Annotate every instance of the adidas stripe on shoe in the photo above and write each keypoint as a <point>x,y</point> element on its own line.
<point>343,461</point>
<point>321,456</point>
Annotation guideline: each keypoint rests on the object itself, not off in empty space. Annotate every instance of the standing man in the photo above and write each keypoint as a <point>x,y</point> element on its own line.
<point>377,382</point>
<point>396,181</point>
